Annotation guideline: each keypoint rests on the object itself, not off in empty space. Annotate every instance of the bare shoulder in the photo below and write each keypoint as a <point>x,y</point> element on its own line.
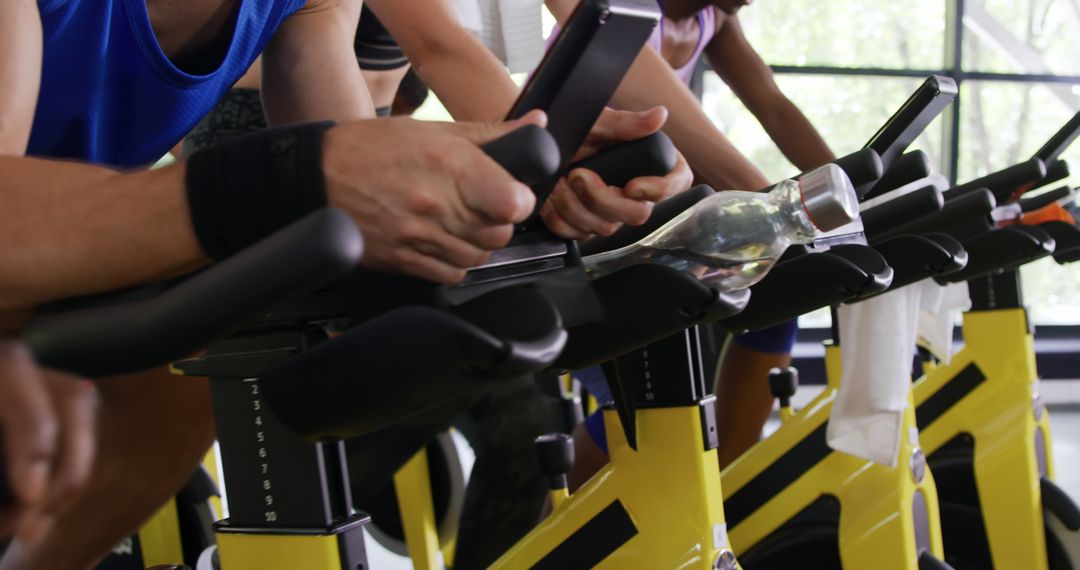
<point>327,5</point>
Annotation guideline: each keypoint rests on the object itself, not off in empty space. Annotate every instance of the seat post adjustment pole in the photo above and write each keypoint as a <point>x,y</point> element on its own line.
<point>555,453</point>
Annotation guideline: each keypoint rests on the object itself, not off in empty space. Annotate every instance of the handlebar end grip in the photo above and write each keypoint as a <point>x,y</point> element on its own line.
<point>530,154</point>
<point>618,164</point>
<point>863,167</point>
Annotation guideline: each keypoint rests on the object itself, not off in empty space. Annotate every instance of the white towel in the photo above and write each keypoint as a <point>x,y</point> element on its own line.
<point>877,342</point>
<point>940,307</point>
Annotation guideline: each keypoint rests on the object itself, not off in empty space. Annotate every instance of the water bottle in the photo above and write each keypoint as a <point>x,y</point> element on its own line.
<point>731,239</point>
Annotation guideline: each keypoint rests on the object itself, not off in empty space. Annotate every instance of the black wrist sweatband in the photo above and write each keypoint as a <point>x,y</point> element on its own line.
<point>245,189</point>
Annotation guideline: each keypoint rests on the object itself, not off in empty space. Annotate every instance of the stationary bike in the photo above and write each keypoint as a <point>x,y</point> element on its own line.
<point>985,427</point>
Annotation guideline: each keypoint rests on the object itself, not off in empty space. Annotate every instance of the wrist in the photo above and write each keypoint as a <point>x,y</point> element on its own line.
<point>244,189</point>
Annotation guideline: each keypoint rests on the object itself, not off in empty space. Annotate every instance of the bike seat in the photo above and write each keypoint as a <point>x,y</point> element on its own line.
<point>675,301</point>
<point>409,360</point>
<point>809,282</point>
<point>1000,250</point>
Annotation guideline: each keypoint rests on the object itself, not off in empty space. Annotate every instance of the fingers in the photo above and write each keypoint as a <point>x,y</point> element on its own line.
<point>607,202</point>
<point>428,238</point>
<point>481,133</point>
<point>579,221</point>
<point>29,425</point>
<point>656,188</point>
<point>618,126</point>
<point>76,403</point>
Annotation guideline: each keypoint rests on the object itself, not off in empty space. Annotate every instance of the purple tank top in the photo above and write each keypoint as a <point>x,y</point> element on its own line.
<point>706,20</point>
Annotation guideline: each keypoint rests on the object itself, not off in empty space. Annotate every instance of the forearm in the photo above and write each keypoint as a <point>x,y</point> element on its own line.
<point>796,137</point>
<point>469,81</point>
<point>309,69</point>
<point>466,77</point>
<point>714,159</point>
<point>74,229</point>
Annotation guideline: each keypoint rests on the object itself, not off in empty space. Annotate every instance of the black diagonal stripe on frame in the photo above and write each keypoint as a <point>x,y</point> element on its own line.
<point>594,541</point>
<point>802,457</point>
<point>952,392</point>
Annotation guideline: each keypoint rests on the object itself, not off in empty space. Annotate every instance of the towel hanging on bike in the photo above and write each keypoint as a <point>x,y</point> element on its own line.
<point>877,340</point>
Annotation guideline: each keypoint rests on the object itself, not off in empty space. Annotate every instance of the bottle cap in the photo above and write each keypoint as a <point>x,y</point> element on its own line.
<point>828,197</point>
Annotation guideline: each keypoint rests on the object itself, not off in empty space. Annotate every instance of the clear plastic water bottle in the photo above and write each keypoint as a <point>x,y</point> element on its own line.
<point>731,239</point>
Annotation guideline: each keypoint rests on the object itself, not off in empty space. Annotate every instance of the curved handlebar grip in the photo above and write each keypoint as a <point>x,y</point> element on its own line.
<point>135,336</point>
<point>960,218</point>
<point>901,210</point>
<point>1045,199</point>
<point>1003,183</point>
<point>864,169</point>
<point>1055,171</point>
<point>530,154</point>
<point>911,166</point>
<point>618,164</point>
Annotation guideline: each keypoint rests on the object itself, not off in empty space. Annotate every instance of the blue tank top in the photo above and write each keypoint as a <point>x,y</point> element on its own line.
<point>109,94</point>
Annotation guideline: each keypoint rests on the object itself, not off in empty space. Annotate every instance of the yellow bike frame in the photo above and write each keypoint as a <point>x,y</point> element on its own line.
<point>989,391</point>
<point>880,507</point>
<point>658,506</point>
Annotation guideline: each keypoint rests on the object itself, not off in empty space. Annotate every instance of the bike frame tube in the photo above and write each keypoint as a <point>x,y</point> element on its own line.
<point>669,488</point>
<point>999,414</point>
<point>877,526</point>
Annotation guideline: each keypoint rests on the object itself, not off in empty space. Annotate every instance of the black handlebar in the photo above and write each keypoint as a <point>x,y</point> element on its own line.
<point>901,210</point>
<point>529,154</point>
<point>1060,141</point>
<point>1003,183</point>
<point>863,167</point>
<point>911,166</point>
<point>920,109</point>
<point>118,339</point>
<point>1045,199</point>
<point>617,164</point>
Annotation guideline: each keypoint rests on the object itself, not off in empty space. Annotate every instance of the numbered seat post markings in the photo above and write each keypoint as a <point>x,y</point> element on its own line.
<point>269,515</point>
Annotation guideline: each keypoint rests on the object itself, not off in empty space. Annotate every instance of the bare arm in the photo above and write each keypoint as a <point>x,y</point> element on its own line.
<point>651,82</point>
<point>20,72</point>
<point>73,229</point>
<point>468,79</point>
<point>309,70</point>
<point>735,60</point>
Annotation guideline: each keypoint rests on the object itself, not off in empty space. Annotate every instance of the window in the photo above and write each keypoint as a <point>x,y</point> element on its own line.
<point>849,63</point>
